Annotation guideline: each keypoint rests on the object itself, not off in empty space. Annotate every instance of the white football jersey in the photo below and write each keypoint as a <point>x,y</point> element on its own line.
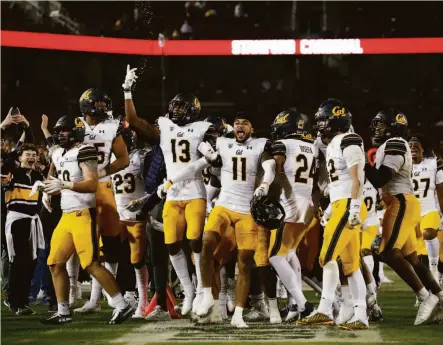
<point>68,169</point>
<point>102,136</point>
<point>370,198</point>
<point>180,147</point>
<point>129,185</point>
<point>211,191</point>
<point>396,154</point>
<point>322,171</point>
<point>239,173</point>
<point>297,177</point>
<point>425,177</point>
<point>340,182</point>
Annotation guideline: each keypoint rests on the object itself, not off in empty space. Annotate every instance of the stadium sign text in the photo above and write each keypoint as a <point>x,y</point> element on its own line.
<point>347,46</point>
<point>263,47</point>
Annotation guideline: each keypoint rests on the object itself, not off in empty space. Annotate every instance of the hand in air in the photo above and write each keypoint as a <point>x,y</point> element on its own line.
<point>130,78</point>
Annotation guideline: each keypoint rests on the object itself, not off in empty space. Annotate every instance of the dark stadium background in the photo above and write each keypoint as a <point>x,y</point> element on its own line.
<point>44,81</point>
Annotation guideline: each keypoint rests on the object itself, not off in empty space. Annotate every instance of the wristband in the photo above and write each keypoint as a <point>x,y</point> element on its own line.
<point>355,205</point>
<point>128,94</point>
<point>68,185</point>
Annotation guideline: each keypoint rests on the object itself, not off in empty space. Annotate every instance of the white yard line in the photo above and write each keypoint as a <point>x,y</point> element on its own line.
<point>183,331</point>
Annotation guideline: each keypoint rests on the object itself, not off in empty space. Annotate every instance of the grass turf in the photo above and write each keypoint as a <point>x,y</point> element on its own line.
<point>396,301</point>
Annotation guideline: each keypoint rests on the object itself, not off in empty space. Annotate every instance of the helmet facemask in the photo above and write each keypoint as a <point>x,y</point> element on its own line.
<point>379,131</point>
<point>179,112</point>
<point>63,137</point>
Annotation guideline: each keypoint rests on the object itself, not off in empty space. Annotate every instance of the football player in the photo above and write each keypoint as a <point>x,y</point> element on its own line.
<point>179,134</point>
<point>295,156</point>
<point>129,185</point>
<point>392,173</point>
<point>427,177</point>
<point>240,159</point>
<point>345,162</point>
<point>76,167</point>
<point>104,134</point>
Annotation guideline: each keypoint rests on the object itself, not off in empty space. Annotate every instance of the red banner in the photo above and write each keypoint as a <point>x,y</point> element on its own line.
<point>222,47</point>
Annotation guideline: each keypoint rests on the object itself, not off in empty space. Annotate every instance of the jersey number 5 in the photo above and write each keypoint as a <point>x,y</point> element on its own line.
<point>303,167</point>
<point>185,155</point>
<point>101,154</point>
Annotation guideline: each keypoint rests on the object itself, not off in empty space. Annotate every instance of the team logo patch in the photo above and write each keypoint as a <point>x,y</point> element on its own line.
<point>78,123</point>
<point>400,119</point>
<point>338,111</point>
<point>283,118</point>
<point>300,124</point>
<point>230,146</point>
<point>78,213</point>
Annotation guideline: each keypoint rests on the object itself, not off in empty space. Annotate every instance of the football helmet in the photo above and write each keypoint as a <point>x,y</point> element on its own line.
<point>130,138</point>
<point>184,108</point>
<point>266,212</point>
<point>95,103</point>
<point>289,123</point>
<point>332,117</point>
<point>219,123</point>
<point>388,123</point>
<point>68,130</point>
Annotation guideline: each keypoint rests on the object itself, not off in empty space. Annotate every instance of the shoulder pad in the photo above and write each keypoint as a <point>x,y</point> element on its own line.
<point>350,139</point>
<point>278,149</point>
<point>86,153</point>
<point>268,146</point>
<point>395,147</point>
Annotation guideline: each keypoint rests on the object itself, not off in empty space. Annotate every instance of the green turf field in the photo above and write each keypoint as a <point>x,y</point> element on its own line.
<point>396,301</point>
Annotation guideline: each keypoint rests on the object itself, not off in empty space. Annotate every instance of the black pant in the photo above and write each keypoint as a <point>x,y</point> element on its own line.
<point>126,275</point>
<point>22,267</point>
<point>159,258</point>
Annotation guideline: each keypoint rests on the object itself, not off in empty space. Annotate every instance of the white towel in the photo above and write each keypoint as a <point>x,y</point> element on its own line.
<point>36,235</point>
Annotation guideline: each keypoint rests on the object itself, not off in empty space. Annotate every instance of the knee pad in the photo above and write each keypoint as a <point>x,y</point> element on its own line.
<point>112,247</point>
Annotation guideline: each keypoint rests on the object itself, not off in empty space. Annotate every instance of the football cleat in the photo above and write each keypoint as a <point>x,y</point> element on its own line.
<point>206,306</point>
<point>25,311</point>
<point>139,313</point>
<point>354,324</point>
<point>196,302</point>
<point>346,312</point>
<point>129,297</point>
<point>57,319</point>
<point>238,322</point>
<point>316,318</point>
<point>309,308</point>
<point>187,304</point>
<point>213,317</point>
<point>258,312</point>
<point>88,308</point>
<point>292,314</point>
<point>121,315</point>
<point>426,309</point>
<point>158,314</point>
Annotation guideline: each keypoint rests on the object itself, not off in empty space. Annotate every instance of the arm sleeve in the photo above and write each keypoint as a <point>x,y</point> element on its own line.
<point>439,174</point>
<point>151,202</point>
<point>191,170</point>
<point>87,153</point>
<point>269,168</point>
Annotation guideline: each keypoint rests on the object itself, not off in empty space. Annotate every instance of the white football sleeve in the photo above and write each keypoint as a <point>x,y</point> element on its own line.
<point>190,170</point>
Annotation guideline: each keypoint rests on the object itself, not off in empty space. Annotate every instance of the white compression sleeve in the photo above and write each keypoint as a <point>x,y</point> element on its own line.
<point>190,170</point>
<point>269,168</point>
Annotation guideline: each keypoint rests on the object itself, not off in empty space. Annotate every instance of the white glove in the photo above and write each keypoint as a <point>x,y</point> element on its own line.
<point>326,216</point>
<point>129,79</point>
<point>37,187</point>
<point>207,151</point>
<point>54,185</point>
<point>137,204</point>
<point>354,213</point>
<point>262,190</point>
<point>47,201</point>
<point>163,189</point>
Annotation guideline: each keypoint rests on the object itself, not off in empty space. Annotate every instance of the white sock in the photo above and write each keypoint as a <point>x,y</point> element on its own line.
<point>73,268</point>
<point>295,264</point>
<point>119,301</point>
<point>181,269</point>
<point>291,300</point>
<point>381,270</point>
<point>288,277</point>
<point>358,292</point>
<point>370,288</point>
<point>273,304</point>
<point>238,313</point>
<point>222,297</point>
<point>331,278</point>
<point>346,292</point>
<point>198,273</point>
<point>96,291</point>
<point>207,295</point>
<point>369,261</point>
<point>141,276</point>
<point>112,267</point>
<point>423,294</point>
<point>433,249</point>
<point>63,308</point>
